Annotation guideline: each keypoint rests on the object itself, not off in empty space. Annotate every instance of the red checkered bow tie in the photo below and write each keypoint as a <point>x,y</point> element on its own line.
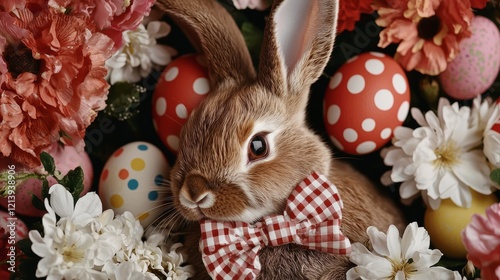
<point>312,219</point>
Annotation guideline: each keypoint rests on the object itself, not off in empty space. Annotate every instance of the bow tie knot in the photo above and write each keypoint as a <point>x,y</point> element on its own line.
<point>311,219</point>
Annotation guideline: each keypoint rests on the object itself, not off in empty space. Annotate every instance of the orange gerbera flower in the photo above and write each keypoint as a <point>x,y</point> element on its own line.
<point>427,31</point>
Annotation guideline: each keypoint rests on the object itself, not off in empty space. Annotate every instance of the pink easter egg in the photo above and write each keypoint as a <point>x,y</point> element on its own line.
<point>66,158</point>
<point>477,64</point>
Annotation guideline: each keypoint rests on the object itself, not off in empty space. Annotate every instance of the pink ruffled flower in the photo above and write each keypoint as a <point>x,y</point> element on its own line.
<point>52,80</point>
<point>482,241</point>
<point>111,17</point>
<point>427,31</point>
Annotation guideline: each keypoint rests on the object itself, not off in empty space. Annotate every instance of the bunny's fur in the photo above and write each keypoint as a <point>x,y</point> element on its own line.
<point>212,176</point>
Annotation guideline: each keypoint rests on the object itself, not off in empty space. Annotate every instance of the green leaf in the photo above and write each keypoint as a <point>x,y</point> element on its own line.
<point>495,175</point>
<point>37,202</point>
<point>48,162</point>
<point>73,181</point>
<point>25,246</point>
<point>45,189</point>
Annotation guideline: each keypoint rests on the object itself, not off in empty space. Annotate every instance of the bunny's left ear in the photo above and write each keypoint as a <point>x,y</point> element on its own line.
<point>298,42</point>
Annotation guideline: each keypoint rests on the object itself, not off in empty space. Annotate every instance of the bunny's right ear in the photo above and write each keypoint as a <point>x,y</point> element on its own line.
<point>213,32</point>
<point>297,44</point>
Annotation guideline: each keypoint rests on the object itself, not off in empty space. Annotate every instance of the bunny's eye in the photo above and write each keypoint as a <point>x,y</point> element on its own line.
<point>258,148</point>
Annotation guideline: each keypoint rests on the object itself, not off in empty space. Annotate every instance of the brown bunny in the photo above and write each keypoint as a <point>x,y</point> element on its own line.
<point>247,145</point>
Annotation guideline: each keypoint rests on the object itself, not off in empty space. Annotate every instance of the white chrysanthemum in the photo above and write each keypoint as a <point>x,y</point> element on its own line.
<point>173,261</point>
<point>398,258</point>
<point>86,243</point>
<point>441,159</point>
<point>140,53</point>
<point>65,249</point>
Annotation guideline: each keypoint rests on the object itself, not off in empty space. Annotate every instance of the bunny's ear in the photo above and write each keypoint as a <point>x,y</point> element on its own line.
<point>298,42</point>
<point>213,32</point>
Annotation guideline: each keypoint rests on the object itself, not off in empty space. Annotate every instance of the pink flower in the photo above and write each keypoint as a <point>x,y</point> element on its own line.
<point>350,12</point>
<point>482,241</point>
<point>52,80</point>
<point>111,17</point>
<point>427,31</point>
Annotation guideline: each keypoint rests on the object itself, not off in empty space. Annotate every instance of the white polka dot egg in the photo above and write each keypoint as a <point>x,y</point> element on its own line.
<point>182,86</point>
<point>366,99</point>
<point>133,180</point>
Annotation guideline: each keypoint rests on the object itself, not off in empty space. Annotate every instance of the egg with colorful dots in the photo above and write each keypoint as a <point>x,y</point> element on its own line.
<point>133,179</point>
<point>366,99</point>
<point>182,86</point>
<point>477,64</point>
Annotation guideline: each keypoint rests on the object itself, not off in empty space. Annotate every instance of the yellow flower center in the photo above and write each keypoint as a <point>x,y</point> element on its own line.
<point>402,265</point>
<point>447,155</point>
<point>72,255</point>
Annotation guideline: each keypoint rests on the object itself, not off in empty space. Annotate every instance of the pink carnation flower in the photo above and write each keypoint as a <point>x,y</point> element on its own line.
<point>111,17</point>
<point>482,241</point>
<point>52,80</point>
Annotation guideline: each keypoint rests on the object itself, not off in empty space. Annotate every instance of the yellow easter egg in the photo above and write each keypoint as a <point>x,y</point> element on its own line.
<point>447,222</point>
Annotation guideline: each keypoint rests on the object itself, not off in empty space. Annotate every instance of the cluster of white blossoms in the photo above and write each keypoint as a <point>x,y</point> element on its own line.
<point>140,52</point>
<point>448,155</point>
<point>87,243</point>
<point>400,258</point>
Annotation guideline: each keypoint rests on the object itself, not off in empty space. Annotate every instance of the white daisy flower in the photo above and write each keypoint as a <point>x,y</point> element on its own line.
<point>140,53</point>
<point>441,159</point>
<point>398,258</point>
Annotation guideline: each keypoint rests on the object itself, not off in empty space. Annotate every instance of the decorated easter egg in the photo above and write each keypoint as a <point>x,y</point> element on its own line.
<point>13,227</point>
<point>366,99</point>
<point>446,224</point>
<point>133,180</point>
<point>66,158</point>
<point>182,86</point>
<point>477,64</point>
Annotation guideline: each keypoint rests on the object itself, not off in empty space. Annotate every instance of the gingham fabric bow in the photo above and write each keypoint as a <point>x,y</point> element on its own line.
<point>312,219</point>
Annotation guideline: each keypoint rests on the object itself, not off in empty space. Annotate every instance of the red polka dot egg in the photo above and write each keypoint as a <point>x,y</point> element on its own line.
<point>133,180</point>
<point>366,99</point>
<point>182,86</point>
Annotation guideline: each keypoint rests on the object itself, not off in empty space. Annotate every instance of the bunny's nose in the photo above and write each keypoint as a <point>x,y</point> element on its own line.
<point>195,193</point>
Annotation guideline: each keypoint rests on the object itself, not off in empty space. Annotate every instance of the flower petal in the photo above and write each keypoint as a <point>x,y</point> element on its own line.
<point>378,240</point>
<point>89,204</point>
<point>427,258</point>
<point>61,200</point>
<point>394,242</point>
<point>473,170</point>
